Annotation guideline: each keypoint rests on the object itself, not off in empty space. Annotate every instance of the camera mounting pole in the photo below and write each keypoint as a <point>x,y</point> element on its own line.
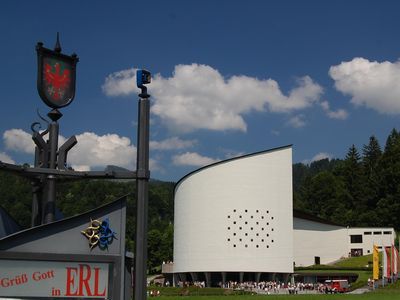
<point>143,175</point>
<point>50,204</point>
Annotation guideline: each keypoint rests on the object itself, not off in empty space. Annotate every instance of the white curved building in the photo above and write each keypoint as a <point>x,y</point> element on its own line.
<point>236,216</point>
<point>234,220</point>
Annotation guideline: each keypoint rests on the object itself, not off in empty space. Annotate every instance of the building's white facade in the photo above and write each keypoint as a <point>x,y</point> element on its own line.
<point>236,216</point>
<point>362,239</point>
<point>323,242</point>
<point>313,239</point>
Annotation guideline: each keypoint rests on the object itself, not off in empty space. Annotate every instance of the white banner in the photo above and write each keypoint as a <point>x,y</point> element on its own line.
<point>19,278</point>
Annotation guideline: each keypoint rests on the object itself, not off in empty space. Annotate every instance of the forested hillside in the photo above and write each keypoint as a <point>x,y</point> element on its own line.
<point>80,196</point>
<point>362,189</point>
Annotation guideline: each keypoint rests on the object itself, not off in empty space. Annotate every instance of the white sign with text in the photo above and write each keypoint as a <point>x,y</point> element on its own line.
<point>20,278</point>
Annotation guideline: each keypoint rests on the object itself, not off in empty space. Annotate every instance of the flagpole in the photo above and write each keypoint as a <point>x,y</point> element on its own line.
<point>391,262</point>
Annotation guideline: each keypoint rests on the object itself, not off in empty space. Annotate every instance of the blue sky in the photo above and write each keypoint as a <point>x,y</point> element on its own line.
<point>230,78</point>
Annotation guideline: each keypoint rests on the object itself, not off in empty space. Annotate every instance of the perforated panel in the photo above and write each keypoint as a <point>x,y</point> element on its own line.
<point>250,228</point>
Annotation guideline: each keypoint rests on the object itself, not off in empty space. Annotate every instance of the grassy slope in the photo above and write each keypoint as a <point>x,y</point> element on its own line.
<point>353,265</point>
<point>355,262</point>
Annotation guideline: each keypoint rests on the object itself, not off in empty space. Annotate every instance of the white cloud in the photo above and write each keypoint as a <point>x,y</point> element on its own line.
<point>321,155</point>
<point>199,97</point>
<point>229,153</point>
<point>98,151</point>
<point>19,141</point>
<point>173,143</point>
<point>297,121</point>
<point>192,159</point>
<point>339,114</point>
<point>6,158</point>
<point>91,151</point>
<point>370,83</point>
<point>120,83</point>
<point>81,167</point>
<point>317,157</point>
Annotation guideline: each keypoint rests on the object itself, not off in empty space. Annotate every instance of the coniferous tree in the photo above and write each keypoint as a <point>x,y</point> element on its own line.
<point>352,177</point>
<point>371,160</point>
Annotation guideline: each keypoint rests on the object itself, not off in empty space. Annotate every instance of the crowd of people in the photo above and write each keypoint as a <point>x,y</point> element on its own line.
<point>277,287</point>
<point>267,287</point>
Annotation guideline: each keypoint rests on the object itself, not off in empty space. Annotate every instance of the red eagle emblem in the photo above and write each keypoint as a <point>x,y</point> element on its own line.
<point>56,76</point>
<point>57,81</point>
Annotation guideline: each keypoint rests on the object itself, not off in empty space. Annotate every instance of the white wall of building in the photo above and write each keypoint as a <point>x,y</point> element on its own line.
<point>370,235</point>
<point>311,239</point>
<point>236,216</point>
<point>331,243</point>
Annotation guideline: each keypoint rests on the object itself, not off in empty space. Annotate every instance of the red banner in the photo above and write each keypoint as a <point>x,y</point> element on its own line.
<point>388,262</point>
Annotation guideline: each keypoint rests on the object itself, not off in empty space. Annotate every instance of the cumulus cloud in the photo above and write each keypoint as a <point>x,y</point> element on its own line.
<point>91,151</point>
<point>317,157</point>
<point>192,159</point>
<point>321,155</point>
<point>19,141</point>
<point>339,114</point>
<point>6,158</point>
<point>97,151</point>
<point>173,143</point>
<point>120,83</point>
<point>81,167</point>
<point>369,83</point>
<point>297,121</point>
<point>199,97</point>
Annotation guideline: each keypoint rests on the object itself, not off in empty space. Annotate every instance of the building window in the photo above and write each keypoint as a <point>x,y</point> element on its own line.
<point>356,238</point>
<point>367,233</point>
<point>377,232</point>
<point>387,232</point>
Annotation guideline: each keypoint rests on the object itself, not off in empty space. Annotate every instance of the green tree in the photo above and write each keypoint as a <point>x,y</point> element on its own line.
<point>371,160</point>
<point>352,176</point>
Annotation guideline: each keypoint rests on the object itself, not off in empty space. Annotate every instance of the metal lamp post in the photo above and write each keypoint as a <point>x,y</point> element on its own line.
<point>56,86</point>
<point>143,175</point>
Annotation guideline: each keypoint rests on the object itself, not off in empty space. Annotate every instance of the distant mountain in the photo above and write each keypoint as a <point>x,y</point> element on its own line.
<point>112,168</point>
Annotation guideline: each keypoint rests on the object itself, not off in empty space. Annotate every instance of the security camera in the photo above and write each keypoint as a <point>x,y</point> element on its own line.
<point>142,77</point>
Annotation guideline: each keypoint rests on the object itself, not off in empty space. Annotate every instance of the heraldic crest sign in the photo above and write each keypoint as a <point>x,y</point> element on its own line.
<point>56,75</point>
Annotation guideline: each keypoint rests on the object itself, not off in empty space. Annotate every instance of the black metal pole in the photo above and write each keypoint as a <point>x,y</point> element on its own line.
<point>36,217</point>
<point>50,205</point>
<point>143,175</point>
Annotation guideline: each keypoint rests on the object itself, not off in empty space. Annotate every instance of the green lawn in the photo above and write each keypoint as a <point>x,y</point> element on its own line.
<point>360,265</point>
<point>357,262</point>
